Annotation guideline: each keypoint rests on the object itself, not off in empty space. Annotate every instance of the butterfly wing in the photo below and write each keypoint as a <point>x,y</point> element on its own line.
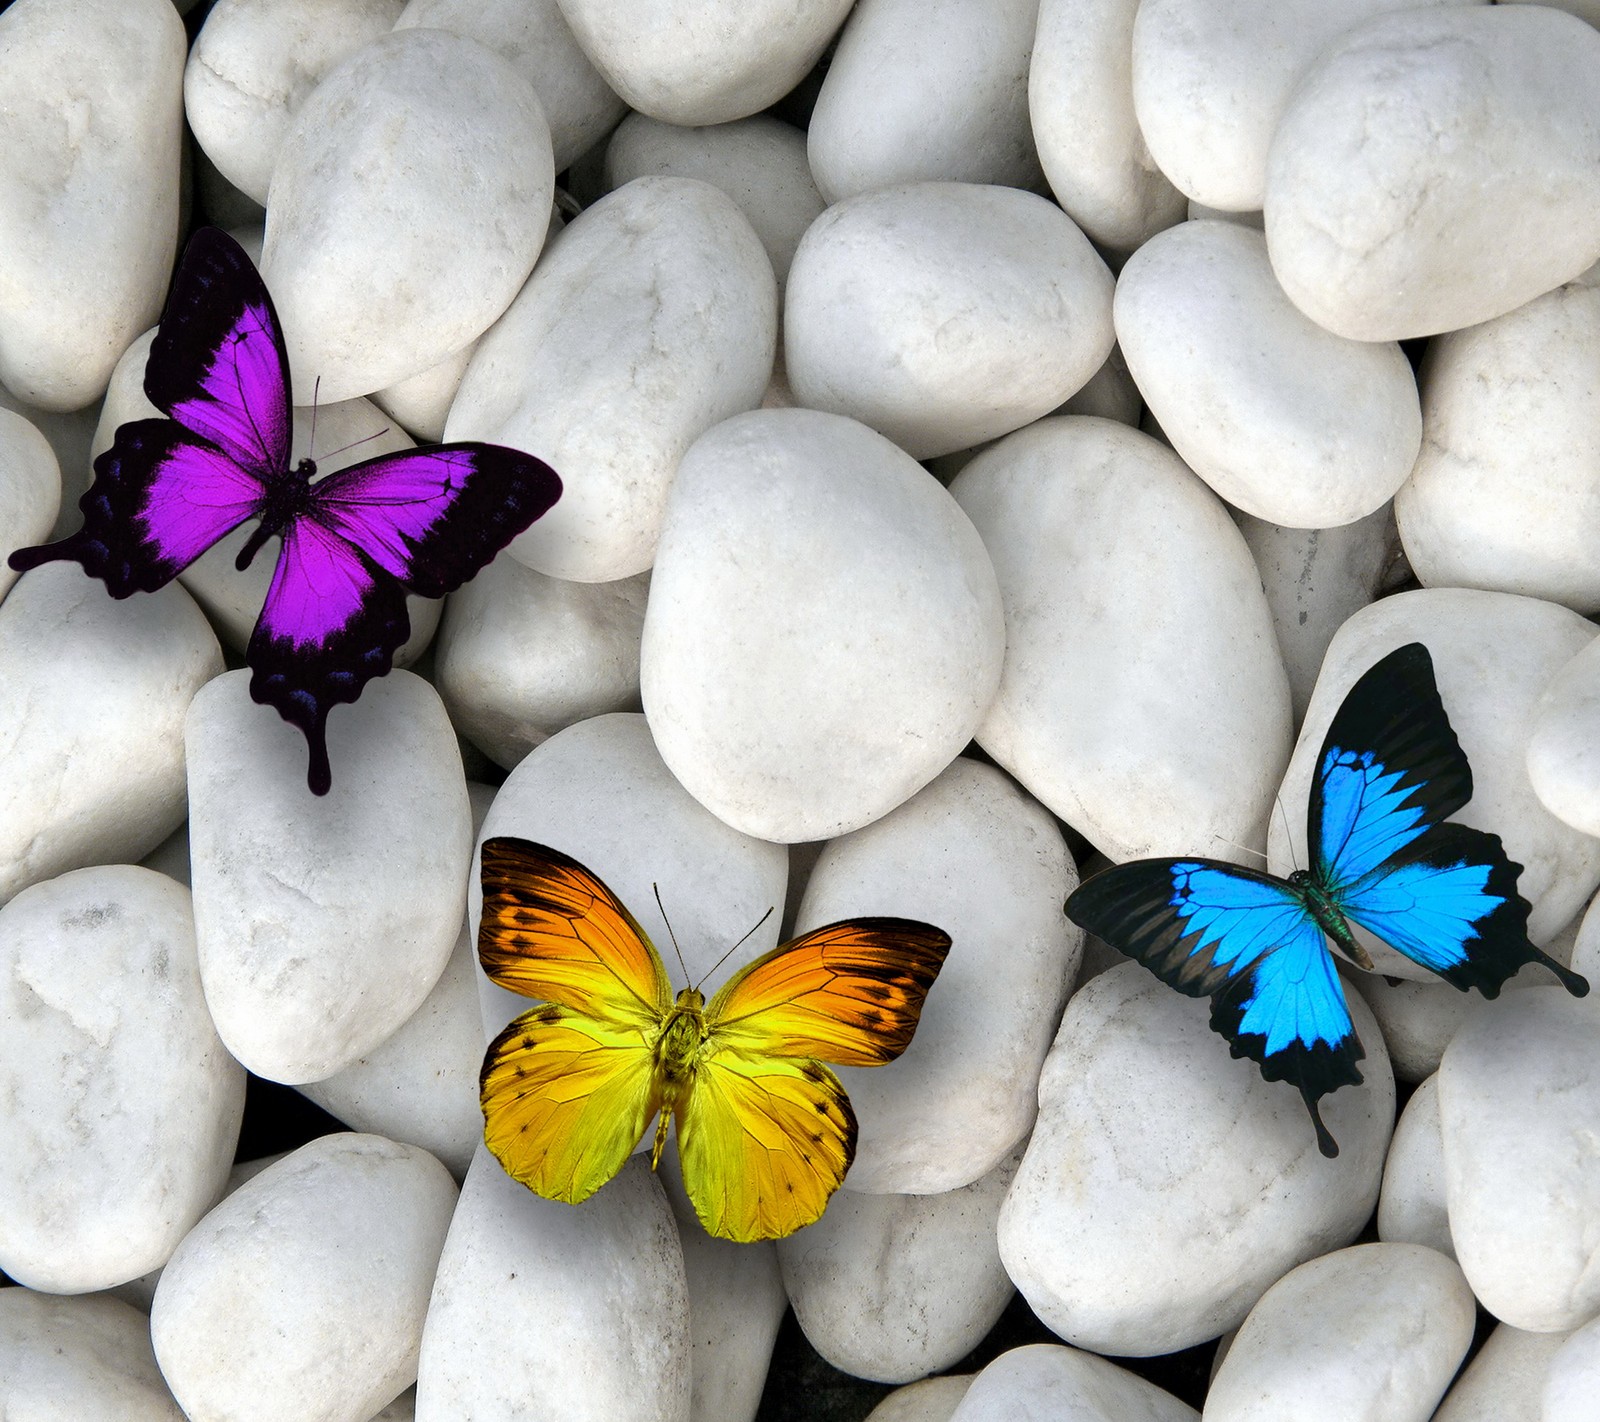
<point>1246,941</point>
<point>1390,772</point>
<point>766,1134</point>
<point>569,1087</point>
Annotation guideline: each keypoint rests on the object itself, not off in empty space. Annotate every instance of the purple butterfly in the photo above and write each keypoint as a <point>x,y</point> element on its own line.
<point>423,520</point>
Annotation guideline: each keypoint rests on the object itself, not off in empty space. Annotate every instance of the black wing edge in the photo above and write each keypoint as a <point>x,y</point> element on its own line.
<point>1394,710</point>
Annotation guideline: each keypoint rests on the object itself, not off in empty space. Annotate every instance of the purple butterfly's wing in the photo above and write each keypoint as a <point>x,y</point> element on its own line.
<point>167,490</point>
<point>422,520</point>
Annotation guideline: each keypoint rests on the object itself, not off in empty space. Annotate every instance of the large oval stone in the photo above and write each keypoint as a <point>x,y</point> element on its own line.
<point>30,490</point>
<point>824,629</point>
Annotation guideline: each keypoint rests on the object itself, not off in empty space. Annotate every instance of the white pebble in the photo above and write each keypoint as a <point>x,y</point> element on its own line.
<point>1167,1185</point>
<point>653,316</point>
<point>254,63</point>
<point>893,1287</point>
<point>323,921</point>
<point>70,436</point>
<point>520,655</point>
<point>1285,420</point>
<point>421,403</point>
<point>89,180</point>
<point>931,1400</point>
<point>1504,1381</point>
<point>1573,1382</point>
<point>1518,1089</point>
<point>1045,1382</point>
<point>30,490</point>
<point>1120,573</point>
<point>422,123</point>
<point>535,36</point>
<point>92,705</point>
<point>1483,193</point>
<point>944,314</point>
<point>824,630</point>
<point>760,162</point>
<point>1412,1209</point>
<point>927,90</point>
<point>1080,103</point>
<point>66,1359</point>
<point>1502,496</point>
<point>301,1297</point>
<point>1323,1344</point>
<point>973,855</point>
<point>542,1309</point>
<point>124,1106</point>
<point>1492,655</point>
<point>1562,759</point>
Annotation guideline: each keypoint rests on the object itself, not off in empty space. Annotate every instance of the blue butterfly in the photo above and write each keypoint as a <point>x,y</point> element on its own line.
<point>1391,770</point>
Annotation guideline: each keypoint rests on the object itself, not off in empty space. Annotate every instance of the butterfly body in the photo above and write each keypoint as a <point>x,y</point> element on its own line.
<point>353,543</point>
<point>765,1130</point>
<point>1382,857</point>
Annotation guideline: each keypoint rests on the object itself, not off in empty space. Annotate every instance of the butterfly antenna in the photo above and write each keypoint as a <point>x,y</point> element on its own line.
<point>1223,839</point>
<point>724,958</point>
<point>334,453</point>
<point>311,447</point>
<point>670,934</point>
<point>1288,833</point>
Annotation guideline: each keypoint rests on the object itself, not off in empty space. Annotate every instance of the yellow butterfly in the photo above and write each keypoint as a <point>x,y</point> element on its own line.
<point>765,1131</point>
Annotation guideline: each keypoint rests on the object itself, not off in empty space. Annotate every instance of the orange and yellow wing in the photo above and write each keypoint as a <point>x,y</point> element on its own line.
<point>849,993</point>
<point>763,1143</point>
<point>565,1099</point>
<point>552,930</point>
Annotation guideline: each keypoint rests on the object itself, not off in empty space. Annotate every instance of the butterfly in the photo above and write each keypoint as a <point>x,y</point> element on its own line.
<point>765,1130</point>
<point>423,520</point>
<point>1445,895</point>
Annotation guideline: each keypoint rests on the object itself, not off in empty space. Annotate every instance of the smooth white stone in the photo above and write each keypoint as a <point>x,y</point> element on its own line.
<point>545,1310</point>
<point>1519,1090</point>
<point>1562,759</point>
<point>736,1304</point>
<point>88,187</point>
<point>927,90</point>
<point>1504,493</point>
<point>30,490</point>
<point>1573,1382</point>
<point>317,1274</point>
<point>931,1400</point>
<point>124,1107</point>
<point>93,693</point>
<point>69,436</point>
<point>1411,1209</point>
<point>824,630</point>
<point>323,921</point>
<point>973,855</point>
<point>421,403</point>
<point>1167,1185</point>
<point>78,1359</point>
<point>1121,572</point>
<point>232,599</point>
<point>944,314</point>
<point>1322,1343</point>
<point>1211,79</point>
<point>1482,194</point>
<point>1493,653</point>
<point>253,65</point>
<point>1045,1382</point>
<point>521,655</point>
<point>1315,579</point>
<point>1283,419</point>
<point>699,61</point>
<point>653,317</point>
<point>894,1287</point>
<point>600,792</point>
<point>1080,102</point>
<point>409,201</point>
<point>533,34</point>
<point>1109,393</point>
<point>1503,1382</point>
<point>760,162</point>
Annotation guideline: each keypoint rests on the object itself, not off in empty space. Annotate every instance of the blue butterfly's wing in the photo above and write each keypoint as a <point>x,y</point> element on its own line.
<point>1449,901</point>
<point>1390,771</point>
<point>1246,941</point>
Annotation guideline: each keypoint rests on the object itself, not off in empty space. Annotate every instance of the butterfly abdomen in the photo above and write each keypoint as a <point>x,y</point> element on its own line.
<point>1324,909</point>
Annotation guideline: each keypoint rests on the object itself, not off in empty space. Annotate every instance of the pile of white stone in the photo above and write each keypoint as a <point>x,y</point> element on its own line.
<point>736,356</point>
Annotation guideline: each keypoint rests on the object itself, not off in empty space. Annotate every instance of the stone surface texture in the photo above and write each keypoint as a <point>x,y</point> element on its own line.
<point>30,490</point>
<point>1044,1381</point>
<point>1412,1207</point>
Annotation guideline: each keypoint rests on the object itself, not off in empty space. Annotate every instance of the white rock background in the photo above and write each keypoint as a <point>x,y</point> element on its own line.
<point>1214,324</point>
